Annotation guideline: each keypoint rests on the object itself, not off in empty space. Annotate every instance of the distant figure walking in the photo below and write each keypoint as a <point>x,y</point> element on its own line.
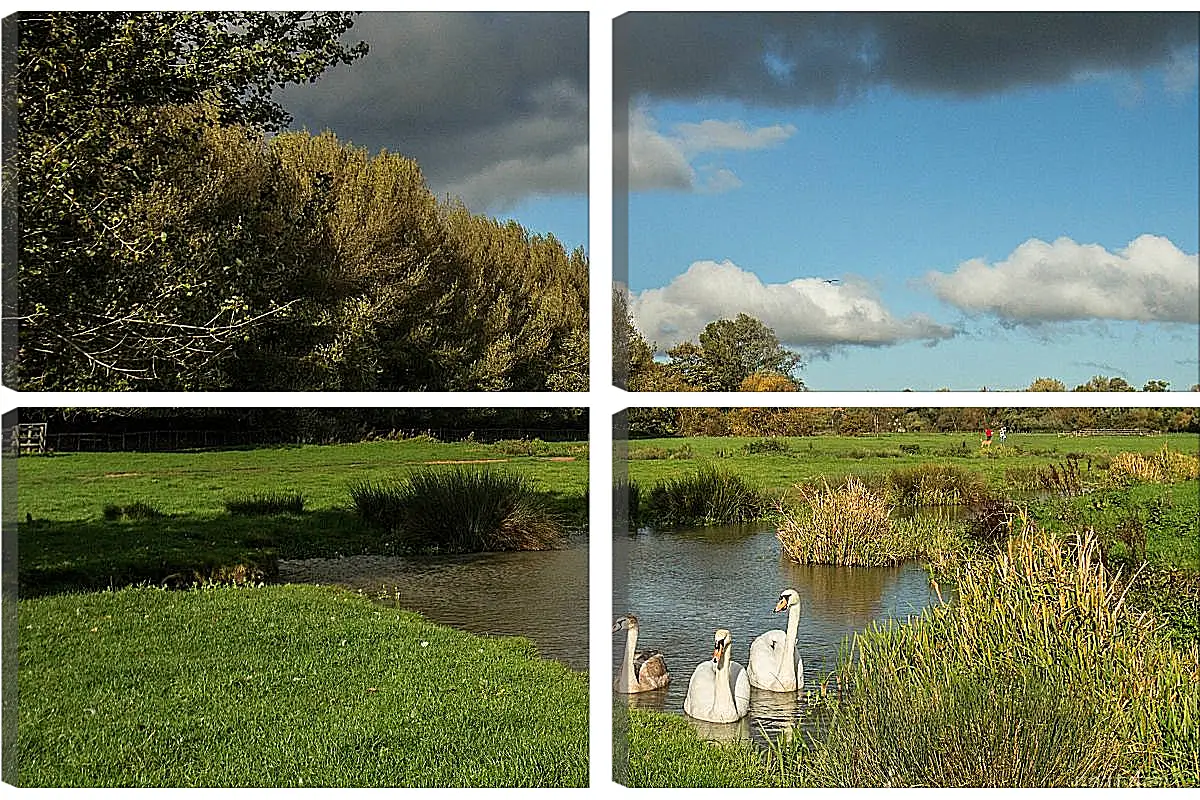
<point>1003,434</point>
<point>987,438</point>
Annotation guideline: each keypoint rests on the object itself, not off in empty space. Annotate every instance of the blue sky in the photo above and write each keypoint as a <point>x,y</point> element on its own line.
<point>984,226</point>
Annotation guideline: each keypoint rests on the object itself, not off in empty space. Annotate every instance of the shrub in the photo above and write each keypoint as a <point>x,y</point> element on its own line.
<point>684,451</point>
<point>265,504</point>
<point>707,497</point>
<point>991,520</point>
<point>1063,479</point>
<point>113,512</point>
<point>460,511</point>
<point>910,449</point>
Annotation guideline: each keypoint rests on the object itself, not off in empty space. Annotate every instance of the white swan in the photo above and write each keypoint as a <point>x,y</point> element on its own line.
<point>719,690</point>
<point>774,661</point>
<point>641,671</point>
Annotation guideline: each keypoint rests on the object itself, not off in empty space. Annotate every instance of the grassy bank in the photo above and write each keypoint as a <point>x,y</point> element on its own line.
<point>284,686</point>
<point>67,541</point>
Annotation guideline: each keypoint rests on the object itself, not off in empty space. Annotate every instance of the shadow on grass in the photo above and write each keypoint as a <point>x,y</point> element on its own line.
<point>180,551</point>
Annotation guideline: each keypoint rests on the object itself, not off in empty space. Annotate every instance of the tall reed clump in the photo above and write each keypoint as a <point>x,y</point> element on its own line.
<point>851,525</point>
<point>706,497</point>
<point>935,485</point>
<point>460,511</point>
<point>1037,675</point>
<point>1163,466</point>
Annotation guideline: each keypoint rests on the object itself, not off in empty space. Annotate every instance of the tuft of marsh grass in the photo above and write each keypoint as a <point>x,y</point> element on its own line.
<point>1038,675</point>
<point>760,446</point>
<point>933,484</point>
<point>137,511</point>
<point>265,504</point>
<point>1163,466</point>
<point>706,497</point>
<point>460,511</point>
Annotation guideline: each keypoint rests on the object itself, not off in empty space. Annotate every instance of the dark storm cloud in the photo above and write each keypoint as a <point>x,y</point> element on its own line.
<point>492,106</point>
<point>787,59</point>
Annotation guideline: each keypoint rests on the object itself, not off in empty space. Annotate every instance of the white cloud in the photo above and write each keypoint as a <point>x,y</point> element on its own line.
<point>806,313</point>
<point>503,185</point>
<point>1151,280</point>
<point>713,134</point>
<point>669,161</point>
<point>655,161</point>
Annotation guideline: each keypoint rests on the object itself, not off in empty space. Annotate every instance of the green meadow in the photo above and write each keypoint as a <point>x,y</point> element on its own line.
<point>154,650</point>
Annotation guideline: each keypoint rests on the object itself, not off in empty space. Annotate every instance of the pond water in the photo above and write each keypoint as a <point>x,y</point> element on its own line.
<point>684,584</point>
<point>542,596</point>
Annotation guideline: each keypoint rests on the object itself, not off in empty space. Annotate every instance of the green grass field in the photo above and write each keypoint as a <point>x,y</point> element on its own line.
<point>284,686</point>
<point>266,685</point>
<point>833,457</point>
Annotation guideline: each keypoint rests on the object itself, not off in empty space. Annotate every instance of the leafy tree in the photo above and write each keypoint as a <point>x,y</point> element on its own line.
<point>768,382</point>
<point>729,352</point>
<point>1156,386</point>
<point>1101,383</point>
<point>1047,385</point>
<point>109,104</point>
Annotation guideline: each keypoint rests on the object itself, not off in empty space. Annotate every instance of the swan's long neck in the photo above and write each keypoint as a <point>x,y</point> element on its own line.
<point>789,642</point>
<point>630,649</point>
<point>722,676</point>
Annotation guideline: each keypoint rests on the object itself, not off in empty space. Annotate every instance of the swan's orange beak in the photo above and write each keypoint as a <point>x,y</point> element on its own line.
<point>781,605</point>
<point>720,648</point>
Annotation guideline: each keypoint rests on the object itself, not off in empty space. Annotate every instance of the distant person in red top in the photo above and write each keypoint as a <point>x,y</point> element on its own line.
<point>987,434</point>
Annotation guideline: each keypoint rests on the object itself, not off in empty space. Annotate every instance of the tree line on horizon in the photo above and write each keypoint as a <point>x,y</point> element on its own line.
<point>321,425</point>
<point>172,236</point>
<point>768,422</point>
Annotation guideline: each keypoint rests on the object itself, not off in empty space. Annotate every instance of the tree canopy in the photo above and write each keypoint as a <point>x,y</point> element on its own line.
<point>168,243</point>
<point>729,352</point>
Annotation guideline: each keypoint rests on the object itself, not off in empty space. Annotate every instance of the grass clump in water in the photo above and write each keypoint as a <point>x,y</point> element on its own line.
<point>706,497</point>
<point>1038,675</point>
<point>265,504</point>
<point>851,525</point>
<point>461,511</point>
